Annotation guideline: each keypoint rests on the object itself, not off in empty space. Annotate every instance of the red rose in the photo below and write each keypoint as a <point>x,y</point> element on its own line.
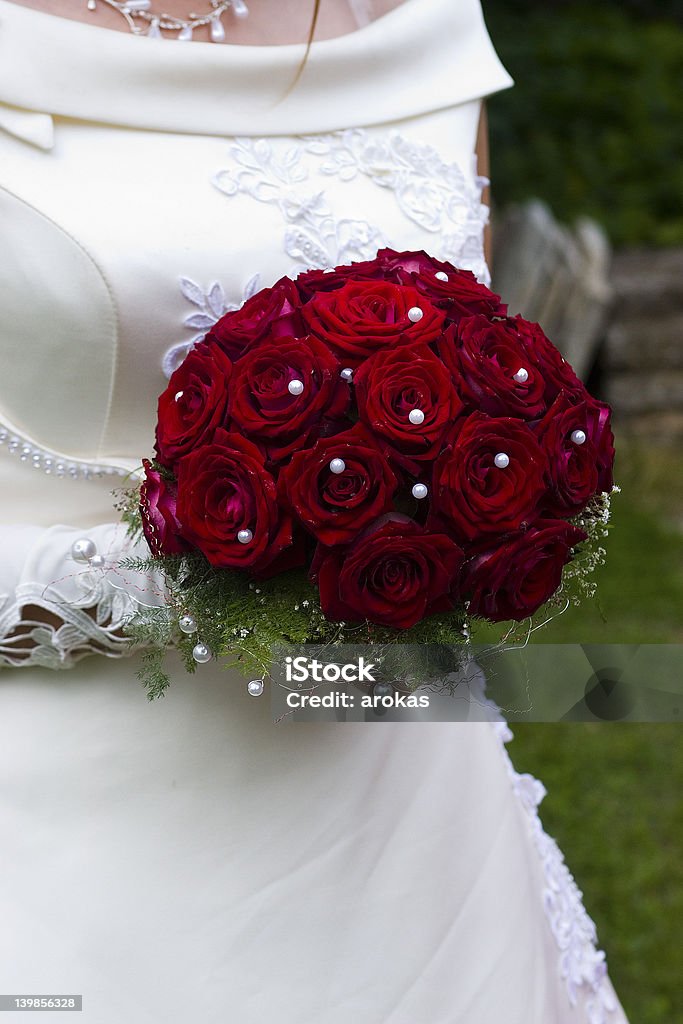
<point>263,406</point>
<point>599,430</point>
<point>224,488</point>
<point>456,291</point>
<point>311,281</point>
<point>394,574</point>
<point>335,507</point>
<point>477,495</point>
<point>194,404</point>
<point>396,382</point>
<point>272,311</point>
<point>513,579</point>
<point>363,317</point>
<point>556,371</point>
<point>506,367</point>
<point>158,513</point>
<point>579,466</point>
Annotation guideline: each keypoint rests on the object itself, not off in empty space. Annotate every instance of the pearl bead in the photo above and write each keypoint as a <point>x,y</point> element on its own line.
<point>337,466</point>
<point>347,374</point>
<point>201,653</point>
<point>97,562</point>
<point>255,687</point>
<point>420,491</point>
<point>502,460</point>
<point>521,376</point>
<point>441,275</point>
<point>295,387</point>
<point>239,9</point>
<point>187,624</point>
<point>579,436</point>
<point>244,536</point>
<point>416,416</point>
<point>415,314</point>
<point>179,395</point>
<point>83,550</point>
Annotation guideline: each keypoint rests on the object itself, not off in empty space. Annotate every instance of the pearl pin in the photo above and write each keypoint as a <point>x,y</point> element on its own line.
<point>337,466</point>
<point>579,436</point>
<point>420,491</point>
<point>416,417</point>
<point>441,275</point>
<point>295,387</point>
<point>415,314</point>
<point>521,376</point>
<point>244,536</point>
<point>201,654</point>
<point>83,550</point>
<point>502,460</point>
<point>179,395</point>
<point>255,687</point>
<point>187,624</point>
<point>97,562</point>
<point>347,374</point>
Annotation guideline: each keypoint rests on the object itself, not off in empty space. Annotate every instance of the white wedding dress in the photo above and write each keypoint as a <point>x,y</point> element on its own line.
<point>186,859</point>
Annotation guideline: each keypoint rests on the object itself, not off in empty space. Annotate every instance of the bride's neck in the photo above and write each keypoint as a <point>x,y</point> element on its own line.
<point>270,22</point>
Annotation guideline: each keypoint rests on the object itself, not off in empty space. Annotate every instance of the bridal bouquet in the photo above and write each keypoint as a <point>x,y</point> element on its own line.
<point>377,453</point>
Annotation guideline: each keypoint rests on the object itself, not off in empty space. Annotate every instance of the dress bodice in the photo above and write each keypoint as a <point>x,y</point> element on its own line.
<point>145,188</point>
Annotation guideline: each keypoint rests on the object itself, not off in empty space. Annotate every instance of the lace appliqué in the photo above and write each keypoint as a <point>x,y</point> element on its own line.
<point>211,305</point>
<point>582,965</point>
<point>429,191</point>
<point>314,237</point>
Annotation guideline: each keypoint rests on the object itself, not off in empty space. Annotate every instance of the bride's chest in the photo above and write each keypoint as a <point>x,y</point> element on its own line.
<point>127,245</point>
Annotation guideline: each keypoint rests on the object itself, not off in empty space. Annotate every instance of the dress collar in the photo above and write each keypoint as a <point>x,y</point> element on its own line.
<point>422,56</point>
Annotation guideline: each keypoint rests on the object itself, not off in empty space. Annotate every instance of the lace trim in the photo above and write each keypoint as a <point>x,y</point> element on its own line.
<point>582,965</point>
<point>92,603</point>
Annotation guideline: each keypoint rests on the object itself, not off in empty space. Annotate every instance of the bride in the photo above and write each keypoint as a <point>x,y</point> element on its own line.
<point>187,859</point>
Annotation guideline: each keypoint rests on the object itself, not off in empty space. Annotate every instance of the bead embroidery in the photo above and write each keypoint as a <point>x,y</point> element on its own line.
<point>53,463</point>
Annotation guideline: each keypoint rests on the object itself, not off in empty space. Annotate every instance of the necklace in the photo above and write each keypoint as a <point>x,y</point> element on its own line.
<point>142,21</point>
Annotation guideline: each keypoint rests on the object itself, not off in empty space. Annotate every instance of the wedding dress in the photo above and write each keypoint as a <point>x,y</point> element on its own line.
<point>187,859</point>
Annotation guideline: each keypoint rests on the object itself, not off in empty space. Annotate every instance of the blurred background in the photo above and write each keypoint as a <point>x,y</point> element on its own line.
<point>587,173</point>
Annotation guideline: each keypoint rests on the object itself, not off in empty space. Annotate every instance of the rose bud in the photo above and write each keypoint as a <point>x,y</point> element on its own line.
<point>394,574</point>
<point>339,486</point>
<point>194,404</point>
<point>158,513</point>
<point>363,317</point>
<point>490,478</point>
<point>512,579</point>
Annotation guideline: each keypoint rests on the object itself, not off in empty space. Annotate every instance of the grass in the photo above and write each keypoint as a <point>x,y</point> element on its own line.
<point>614,789</point>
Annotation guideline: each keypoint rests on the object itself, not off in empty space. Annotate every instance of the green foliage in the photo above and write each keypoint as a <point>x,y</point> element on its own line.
<point>592,125</point>
<point>242,620</point>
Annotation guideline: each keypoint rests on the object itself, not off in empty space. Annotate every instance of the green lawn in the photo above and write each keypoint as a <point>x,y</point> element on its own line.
<point>614,800</point>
